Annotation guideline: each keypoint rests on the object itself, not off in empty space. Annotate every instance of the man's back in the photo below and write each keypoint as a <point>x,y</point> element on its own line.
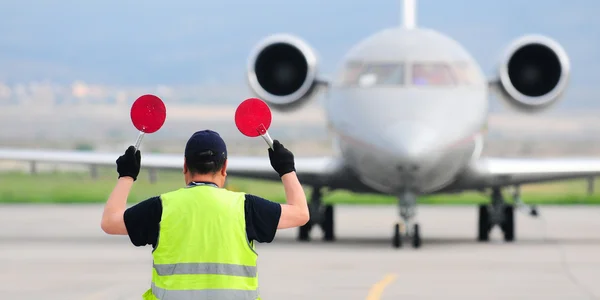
<point>200,216</point>
<point>203,245</point>
<point>143,219</point>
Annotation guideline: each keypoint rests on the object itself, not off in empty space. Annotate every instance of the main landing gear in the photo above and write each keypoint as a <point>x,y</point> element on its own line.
<point>321,215</point>
<point>498,212</point>
<point>407,228</point>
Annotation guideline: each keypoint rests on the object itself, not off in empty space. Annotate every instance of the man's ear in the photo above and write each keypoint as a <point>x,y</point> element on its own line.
<point>185,169</point>
<point>224,168</point>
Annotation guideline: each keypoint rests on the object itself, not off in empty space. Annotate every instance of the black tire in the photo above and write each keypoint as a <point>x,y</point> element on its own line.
<point>416,237</point>
<point>304,232</point>
<point>483,234</point>
<point>397,238</point>
<point>328,228</point>
<point>508,226</point>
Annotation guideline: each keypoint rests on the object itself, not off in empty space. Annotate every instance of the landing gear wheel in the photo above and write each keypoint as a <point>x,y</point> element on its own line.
<point>304,232</point>
<point>416,237</point>
<point>397,239</point>
<point>328,232</point>
<point>508,226</point>
<point>484,224</point>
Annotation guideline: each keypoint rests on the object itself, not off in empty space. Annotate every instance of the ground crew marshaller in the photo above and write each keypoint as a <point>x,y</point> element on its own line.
<point>203,234</point>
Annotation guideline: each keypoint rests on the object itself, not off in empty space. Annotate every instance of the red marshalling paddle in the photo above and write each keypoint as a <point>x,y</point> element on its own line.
<point>148,114</point>
<point>253,118</point>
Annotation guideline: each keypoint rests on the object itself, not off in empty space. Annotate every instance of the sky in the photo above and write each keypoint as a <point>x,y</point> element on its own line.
<point>207,42</point>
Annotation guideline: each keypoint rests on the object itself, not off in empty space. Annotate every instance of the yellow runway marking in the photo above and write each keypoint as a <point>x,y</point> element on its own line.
<point>377,288</point>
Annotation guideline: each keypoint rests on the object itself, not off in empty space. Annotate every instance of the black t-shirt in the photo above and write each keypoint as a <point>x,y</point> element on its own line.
<point>142,220</point>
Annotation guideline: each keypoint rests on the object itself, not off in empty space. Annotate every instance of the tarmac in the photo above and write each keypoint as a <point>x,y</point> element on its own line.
<point>59,252</point>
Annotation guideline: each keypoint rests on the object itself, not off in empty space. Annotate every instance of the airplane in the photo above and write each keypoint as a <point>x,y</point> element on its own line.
<point>408,111</point>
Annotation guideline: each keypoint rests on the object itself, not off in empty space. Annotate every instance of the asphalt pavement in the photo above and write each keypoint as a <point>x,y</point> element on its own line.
<point>59,252</point>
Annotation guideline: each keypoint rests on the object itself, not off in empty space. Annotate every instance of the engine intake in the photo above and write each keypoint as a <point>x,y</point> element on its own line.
<point>282,70</point>
<point>534,73</point>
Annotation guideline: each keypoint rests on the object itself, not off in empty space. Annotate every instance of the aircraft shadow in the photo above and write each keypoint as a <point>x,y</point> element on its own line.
<point>383,242</point>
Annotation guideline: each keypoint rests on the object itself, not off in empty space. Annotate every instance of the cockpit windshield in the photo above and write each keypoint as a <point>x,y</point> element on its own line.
<point>382,74</point>
<point>432,74</point>
<point>443,74</point>
<point>373,74</point>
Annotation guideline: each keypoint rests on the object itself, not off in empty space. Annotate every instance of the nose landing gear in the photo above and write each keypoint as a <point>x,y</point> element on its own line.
<point>406,226</point>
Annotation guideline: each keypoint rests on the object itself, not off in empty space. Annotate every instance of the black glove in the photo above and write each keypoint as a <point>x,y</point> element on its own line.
<point>282,160</point>
<point>128,164</point>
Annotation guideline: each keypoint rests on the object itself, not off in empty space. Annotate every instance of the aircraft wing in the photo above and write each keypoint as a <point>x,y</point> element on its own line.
<point>489,172</point>
<point>310,170</point>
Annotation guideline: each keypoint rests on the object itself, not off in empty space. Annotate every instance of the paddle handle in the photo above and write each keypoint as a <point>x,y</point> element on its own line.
<point>262,130</point>
<point>268,139</point>
<point>139,140</point>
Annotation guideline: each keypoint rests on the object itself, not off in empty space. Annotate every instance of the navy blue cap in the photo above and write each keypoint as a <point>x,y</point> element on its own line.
<point>206,145</point>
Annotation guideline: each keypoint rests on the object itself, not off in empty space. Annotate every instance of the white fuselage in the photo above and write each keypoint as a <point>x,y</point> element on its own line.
<point>400,132</point>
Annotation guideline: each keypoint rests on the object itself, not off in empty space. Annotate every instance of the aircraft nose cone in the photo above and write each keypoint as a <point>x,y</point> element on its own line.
<point>409,142</point>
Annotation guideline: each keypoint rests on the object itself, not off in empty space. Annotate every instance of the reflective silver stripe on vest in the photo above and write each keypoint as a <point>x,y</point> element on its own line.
<point>205,268</point>
<point>220,294</point>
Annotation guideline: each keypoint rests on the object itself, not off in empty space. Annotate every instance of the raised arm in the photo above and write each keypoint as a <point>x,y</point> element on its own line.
<point>128,167</point>
<point>295,212</point>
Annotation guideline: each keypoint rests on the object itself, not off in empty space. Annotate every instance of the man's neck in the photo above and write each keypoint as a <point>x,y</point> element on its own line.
<point>204,178</point>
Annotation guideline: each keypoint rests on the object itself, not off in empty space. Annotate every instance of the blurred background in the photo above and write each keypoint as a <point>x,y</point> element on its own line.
<point>71,69</point>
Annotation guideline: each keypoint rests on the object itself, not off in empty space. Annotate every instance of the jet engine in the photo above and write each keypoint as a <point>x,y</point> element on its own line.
<point>282,70</point>
<point>533,73</point>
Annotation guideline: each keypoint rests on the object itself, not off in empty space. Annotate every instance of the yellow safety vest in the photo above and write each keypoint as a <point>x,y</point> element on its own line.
<point>203,251</point>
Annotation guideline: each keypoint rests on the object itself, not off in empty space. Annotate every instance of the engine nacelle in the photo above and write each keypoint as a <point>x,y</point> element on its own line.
<point>533,73</point>
<point>282,70</point>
